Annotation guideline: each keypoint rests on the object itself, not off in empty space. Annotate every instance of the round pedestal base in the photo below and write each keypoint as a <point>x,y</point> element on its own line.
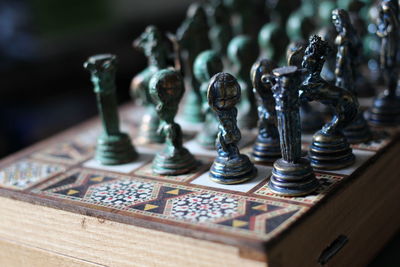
<point>232,171</point>
<point>180,162</point>
<point>358,131</point>
<point>266,150</point>
<point>115,150</point>
<point>385,111</point>
<point>293,179</point>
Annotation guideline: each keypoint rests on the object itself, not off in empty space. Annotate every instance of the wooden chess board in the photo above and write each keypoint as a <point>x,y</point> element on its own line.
<point>59,205</point>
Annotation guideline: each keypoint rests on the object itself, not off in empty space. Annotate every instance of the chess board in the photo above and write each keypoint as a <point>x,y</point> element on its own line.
<point>61,175</point>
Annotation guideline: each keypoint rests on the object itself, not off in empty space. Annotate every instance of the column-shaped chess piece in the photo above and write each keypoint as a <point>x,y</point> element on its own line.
<point>266,148</point>
<point>292,175</point>
<point>242,52</point>
<point>166,90</point>
<point>152,43</point>
<point>386,108</point>
<point>229,167</point>
<point>113,146</point>
<point>329,148</point>
<point>206,65</point>
<point>348,55</point>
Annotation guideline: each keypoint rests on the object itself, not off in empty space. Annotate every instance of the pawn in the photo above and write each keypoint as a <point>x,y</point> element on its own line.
<point>206,65</point>
<point>266,147</point>
<point>229,167</point>
<point>113,146</point>
<point>166,90</point>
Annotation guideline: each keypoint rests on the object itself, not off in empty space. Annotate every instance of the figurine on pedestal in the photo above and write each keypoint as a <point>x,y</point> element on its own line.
<point>206,65</point>
<point>113,146</point>
<point>229,167</point>
<point>242,52</point>
<point>329,148</point>
<point>166,90</point>
<point>349,47</point>
<point>292,175</point>
<point>266,148</point>
<point>386,108</point>
<point>155,48</point>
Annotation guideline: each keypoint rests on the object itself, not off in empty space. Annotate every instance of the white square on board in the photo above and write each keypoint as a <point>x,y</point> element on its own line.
<point>123,168</point>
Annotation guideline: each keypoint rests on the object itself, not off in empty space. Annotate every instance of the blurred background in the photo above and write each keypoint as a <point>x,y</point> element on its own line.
<point>43,44</point>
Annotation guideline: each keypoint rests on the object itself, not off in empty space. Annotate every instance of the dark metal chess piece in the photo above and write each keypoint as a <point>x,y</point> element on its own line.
<point>292,175</point>
<point>242,52</point>
<point>113,146</point>
<point>329,149</point>
<point>266,148</point>
<point>192,36</point>
<point>349,47</point>
<point>386,108</point>
<point>206,65</point>
<point>220,33</point>
<point>311,119</point>
<point>154,46</point>
<point>166,90</point>
<point>229,167</point>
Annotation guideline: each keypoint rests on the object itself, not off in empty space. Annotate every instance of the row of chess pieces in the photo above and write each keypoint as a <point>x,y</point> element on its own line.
<point>281,95</point>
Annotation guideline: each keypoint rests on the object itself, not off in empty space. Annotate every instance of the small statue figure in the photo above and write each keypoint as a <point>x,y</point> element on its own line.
<point>220,33</point>
<point>329,149</point>
<point>292,175</point>
<point>154,46</point>
<point>349,47</point>
<point>229,167</point>
<point>113,146</point>
<point>206,65</point>
<point>192,36</point>
<point>266,148</point>
<point>386,108</point>
<point>166,90</point>
<point>242,52</point>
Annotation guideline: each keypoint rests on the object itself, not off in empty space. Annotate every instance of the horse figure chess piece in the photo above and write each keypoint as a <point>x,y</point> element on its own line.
<point>349,47</point>
<point>153,44</point>
<point>292,175</point>
<point>266,148</point>
<point>229,167</point>
<point>386,108</point>
<point>166,90</point>
<point>242,52</point>
<point>113,146</point>
<point>329,148</point>
<point>206,65</point>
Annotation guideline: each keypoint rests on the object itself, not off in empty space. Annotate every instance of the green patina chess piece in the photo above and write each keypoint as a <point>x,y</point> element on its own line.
<point>329,148</point>
<point>292,175</point>
<point>229,167</point>
<point>154,46</point>
<point>166,90</point>
<point>242,52</point>
<point>220,33</point>
<point>206,65</point>
<point>266,148</point>
<point>349,49</point>
<point>386,108</point>
<point>302,22</point>
<point>241,15</point>
<point>273,40</point>
<point>192,36</point>
<point>113,146</point>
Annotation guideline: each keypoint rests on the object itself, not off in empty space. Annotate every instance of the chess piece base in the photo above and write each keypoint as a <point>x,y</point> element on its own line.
<point>266,150</point>
<point>358,131</point>
<point>293,179</point>
<point>180,162</point>
<point>330,151</point>
<point>232,170</point>
<point>192,108</point>
<point>385,111</point>
<point>148,130</point>
<point>115,149</point>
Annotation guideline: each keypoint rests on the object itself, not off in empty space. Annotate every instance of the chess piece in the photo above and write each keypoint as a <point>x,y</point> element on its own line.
<point>153,45</point>
<point>241,15</point>
<point>229,167</point>
<point>386,108</point>
<point>266,148</point>
<point>206,65</point>
<point>192,36</point>
<point>292,175</point>
<point>329,148</point>
<point>301,23</point>
<point>310,119</point>
<point>166,90</point>
<point>349,47</point>
<point>113,146</point>
<point>220,32</point>
<point>273,40</point>
<point>242,52</point>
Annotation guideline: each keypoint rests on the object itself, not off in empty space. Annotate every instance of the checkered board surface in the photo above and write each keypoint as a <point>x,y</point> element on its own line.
<point>63,170</point>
